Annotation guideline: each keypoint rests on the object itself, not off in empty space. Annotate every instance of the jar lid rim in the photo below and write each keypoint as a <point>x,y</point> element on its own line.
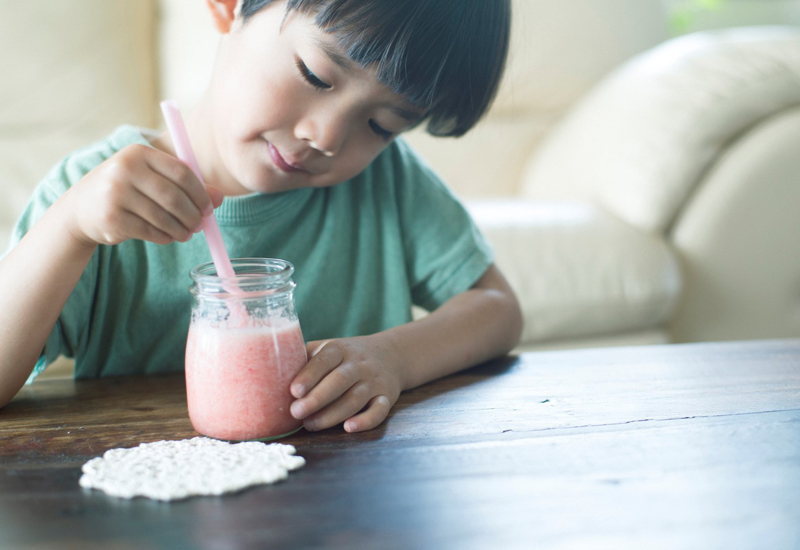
<point>248,269</point>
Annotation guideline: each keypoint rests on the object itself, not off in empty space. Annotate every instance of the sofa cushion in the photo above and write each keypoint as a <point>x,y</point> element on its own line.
<point>577,270</point>
<point>641,141</point>
<point>72,71</point>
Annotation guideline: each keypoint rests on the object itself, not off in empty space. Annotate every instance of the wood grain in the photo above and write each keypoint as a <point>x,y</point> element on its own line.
<point>690,446</point>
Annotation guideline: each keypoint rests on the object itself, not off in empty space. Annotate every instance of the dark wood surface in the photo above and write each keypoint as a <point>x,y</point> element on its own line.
<point>689,446</point>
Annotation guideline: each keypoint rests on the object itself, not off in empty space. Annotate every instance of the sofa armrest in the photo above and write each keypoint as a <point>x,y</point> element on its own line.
<point>577,270</point>
<point>738,240</point>
<point>642,139</point>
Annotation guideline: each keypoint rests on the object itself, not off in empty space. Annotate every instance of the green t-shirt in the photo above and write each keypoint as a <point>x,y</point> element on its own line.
<point>364,251</point>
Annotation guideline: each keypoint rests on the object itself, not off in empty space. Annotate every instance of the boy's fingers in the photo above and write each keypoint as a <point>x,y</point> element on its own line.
<point>161,219</point>
<point>215,195</point>
<point>376,412</point>
<point>181,175</point>
<point>342,407</point>
<point>315,346</point>
<point>316,368</point>
<point>170,198</point>
<point>328,390</point>
<point>333,386</point>
<point>139,228</point>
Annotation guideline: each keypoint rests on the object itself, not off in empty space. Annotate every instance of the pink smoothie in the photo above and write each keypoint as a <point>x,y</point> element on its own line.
<point>237,379</point>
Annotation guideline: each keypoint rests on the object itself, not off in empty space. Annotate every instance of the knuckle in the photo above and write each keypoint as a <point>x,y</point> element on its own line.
<point>180,173</point>
<point>136,149</point>
<point>108,220</point>
<point>329,351</point>
<point>109,238</point>
<point>112,187</point>
<point>124,165</point>
<point>360,391</point>
<point>171,201</point>
<point>117,169</point>
<point>131,155</point>
<point>339,377</point>
<point>383,401</point>
<point>178,169</point>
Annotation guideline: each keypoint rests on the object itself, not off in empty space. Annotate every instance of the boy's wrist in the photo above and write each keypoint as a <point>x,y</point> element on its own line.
<point>402,362</point>
<point>65,219</point>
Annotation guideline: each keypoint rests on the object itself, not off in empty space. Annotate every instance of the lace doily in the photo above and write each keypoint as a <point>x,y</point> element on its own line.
<point>173,470</point>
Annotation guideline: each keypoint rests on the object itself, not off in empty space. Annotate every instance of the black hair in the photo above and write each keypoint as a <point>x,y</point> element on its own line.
<point>446,57</point>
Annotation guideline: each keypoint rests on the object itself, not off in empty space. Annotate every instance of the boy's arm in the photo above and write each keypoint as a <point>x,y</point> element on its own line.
<point>470,328</point>
<point>138,193</point>
<point>37,277</point>
<point>358,380</point>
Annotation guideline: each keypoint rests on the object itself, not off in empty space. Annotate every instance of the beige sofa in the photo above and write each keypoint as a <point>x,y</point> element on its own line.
<point>636,191</point>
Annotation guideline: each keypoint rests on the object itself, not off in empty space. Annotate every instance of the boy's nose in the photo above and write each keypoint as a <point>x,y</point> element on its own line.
<point>325,133</point>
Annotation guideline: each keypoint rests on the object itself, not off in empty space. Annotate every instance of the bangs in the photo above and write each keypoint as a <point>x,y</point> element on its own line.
<point>446,57</point>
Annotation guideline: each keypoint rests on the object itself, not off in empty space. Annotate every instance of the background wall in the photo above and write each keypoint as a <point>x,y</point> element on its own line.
<point>694,15</point>
<point>74,69</point>
<point>71,71</point>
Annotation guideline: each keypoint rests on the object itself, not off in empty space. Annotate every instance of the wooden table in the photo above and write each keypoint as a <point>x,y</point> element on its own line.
<point>686,446</point>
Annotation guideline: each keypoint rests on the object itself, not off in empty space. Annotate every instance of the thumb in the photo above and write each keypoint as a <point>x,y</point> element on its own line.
<point>215,195</point>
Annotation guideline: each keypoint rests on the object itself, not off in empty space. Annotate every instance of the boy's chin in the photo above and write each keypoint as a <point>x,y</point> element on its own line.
<point>268,179</point>
<point>269,185</point>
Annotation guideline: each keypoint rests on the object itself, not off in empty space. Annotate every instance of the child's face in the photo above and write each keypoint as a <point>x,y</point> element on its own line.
<point>284,115</point>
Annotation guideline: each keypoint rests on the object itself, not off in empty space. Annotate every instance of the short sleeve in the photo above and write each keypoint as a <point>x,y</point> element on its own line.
<point>65,336</point>
<point>446,252</point>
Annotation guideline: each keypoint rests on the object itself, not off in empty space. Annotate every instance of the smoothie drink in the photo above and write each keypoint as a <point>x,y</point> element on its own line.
<point>237,379</point>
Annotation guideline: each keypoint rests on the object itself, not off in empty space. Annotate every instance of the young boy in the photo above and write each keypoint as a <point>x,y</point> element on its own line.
<point>297,131</point>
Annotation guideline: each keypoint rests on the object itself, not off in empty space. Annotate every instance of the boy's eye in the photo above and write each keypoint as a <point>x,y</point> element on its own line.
<point>383,134</point>
<point>311,78</point>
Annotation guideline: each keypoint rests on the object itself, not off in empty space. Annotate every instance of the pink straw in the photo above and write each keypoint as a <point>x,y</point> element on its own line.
<point>183,148</point>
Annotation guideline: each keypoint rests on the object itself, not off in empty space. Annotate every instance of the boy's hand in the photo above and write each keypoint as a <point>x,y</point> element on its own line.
<point>350,380</point>
<point>139,193</point>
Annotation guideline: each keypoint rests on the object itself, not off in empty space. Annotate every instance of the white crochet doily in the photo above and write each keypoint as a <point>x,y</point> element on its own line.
<point>172,470</point>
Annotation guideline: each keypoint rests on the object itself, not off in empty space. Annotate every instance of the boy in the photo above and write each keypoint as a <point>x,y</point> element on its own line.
<point>297,131</point>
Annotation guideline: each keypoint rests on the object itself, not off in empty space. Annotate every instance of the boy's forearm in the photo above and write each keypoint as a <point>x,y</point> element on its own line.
<point>37,278</point>
<point>472,327</point>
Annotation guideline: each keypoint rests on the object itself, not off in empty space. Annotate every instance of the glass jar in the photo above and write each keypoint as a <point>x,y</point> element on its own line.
<point>243,350</point>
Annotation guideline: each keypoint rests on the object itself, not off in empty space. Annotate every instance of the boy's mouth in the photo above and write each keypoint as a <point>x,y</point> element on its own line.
<point>281,162</point>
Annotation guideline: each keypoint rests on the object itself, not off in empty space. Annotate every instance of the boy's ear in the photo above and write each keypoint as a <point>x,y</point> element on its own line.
<point>223,12</point>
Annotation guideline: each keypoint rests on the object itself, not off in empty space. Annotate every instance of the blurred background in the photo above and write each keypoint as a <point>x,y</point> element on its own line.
<point>687,16</point>
<point>610,175</point>
<point>74,69</point>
